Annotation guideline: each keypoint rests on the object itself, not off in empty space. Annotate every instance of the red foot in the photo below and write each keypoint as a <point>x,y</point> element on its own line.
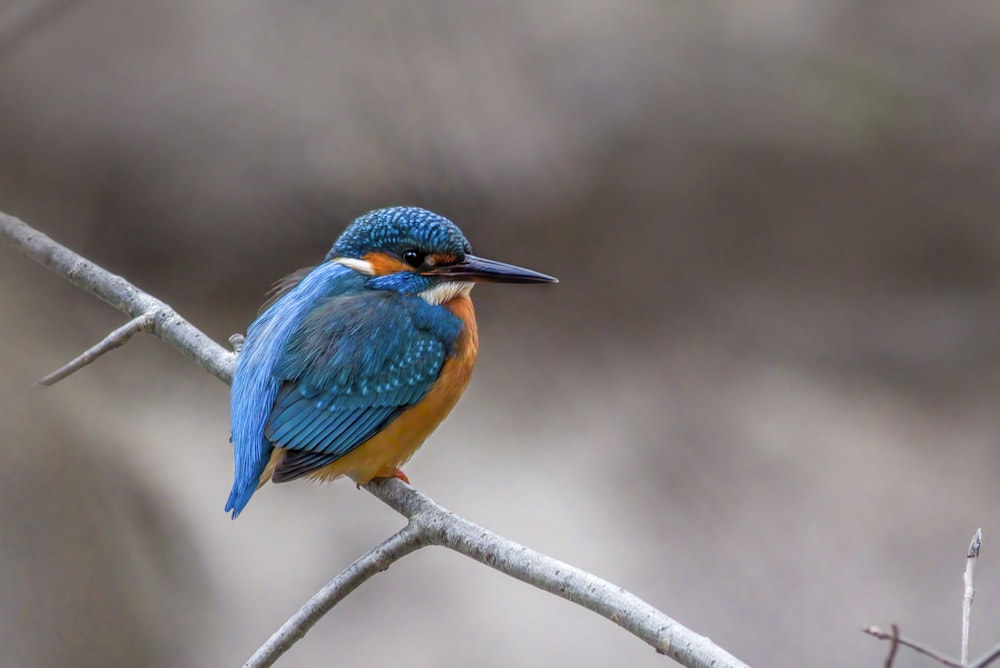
<point>396,473</point>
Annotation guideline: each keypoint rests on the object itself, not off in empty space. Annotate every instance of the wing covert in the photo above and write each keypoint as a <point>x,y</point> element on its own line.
<point>353,365</point>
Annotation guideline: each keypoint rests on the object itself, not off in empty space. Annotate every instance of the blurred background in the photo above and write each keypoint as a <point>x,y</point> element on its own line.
<point>764,396</point>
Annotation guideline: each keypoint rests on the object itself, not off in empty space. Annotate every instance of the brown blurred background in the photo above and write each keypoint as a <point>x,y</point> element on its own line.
<point>764,396</point>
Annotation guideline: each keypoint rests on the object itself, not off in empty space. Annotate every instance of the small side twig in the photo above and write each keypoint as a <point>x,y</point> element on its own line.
<point>116,339</point>
<point>970,591</point>
<point>986,659</point>
<point>899,639</point>
<point>375,561</point>
<point>970,566</point>
<point>114,290</point>
<point>893,646</point>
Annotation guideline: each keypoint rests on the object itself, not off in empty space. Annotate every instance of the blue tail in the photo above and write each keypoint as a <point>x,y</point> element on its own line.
<point>239,498</point>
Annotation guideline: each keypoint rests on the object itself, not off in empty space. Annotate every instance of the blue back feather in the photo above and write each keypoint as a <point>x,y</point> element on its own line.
<point>255,387</point>
<point>327,366</point>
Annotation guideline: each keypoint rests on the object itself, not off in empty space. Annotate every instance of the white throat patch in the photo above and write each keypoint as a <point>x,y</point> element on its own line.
<point>446,291</point>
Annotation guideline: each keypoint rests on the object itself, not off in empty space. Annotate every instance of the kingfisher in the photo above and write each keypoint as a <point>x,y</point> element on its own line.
<point>352,364</point>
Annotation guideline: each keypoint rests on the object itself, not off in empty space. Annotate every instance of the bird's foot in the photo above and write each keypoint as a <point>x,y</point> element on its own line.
<point>394,473</point>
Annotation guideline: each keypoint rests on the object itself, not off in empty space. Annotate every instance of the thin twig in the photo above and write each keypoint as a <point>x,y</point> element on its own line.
<point>970,591</point>
<point>119,293</point>
<point>900,639</point>
<point>986,659</point>
<point>374,561</point>
<point>893,646</point>
<point>116,339</point>
<point>434,524</point>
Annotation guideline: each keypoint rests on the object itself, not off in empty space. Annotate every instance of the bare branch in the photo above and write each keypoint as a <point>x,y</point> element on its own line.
<point>119,293</point>
<point>115,339</point>
<point>375,561</point>
<point>970,591</point>
<point>899,639</point>
<point>448,530</point>
<point>429,522</point>
<point>893,646</point>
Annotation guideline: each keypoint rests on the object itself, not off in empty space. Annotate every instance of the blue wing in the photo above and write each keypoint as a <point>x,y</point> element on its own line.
<point>326,367</point>
<point>356,363</point>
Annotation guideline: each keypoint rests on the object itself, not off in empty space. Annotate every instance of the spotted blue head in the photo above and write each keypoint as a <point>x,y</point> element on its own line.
<point>414,251</point>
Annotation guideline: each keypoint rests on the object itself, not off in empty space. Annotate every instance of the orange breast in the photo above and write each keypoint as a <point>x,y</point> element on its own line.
<point>392,447</point>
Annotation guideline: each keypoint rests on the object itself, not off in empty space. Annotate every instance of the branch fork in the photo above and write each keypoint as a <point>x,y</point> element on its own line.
<point>897,640</point>
<point>116,339</point>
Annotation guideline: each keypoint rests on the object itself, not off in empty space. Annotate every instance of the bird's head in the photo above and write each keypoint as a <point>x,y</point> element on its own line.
<point>414,251</point>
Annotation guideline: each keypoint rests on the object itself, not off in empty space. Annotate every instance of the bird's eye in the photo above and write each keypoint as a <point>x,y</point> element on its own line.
<point>414,258</point>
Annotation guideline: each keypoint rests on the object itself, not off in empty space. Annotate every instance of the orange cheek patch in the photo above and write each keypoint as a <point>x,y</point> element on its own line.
<point>383,264</point>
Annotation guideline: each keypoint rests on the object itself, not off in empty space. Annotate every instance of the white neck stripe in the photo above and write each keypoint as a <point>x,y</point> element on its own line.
<point>361,266</point>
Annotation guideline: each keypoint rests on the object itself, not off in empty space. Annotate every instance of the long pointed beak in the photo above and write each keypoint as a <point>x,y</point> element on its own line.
<point>488,271</point>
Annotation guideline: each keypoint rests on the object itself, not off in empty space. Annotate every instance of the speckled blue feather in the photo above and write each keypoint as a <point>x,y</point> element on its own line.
<point>341,354</point>
<point>356,362</point>
<point>398,228</point>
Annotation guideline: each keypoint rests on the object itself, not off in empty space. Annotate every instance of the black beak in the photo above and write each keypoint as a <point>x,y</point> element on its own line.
<point>481,270</point>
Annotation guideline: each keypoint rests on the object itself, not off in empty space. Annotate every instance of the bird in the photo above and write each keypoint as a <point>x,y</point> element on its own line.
<point>350,365</point>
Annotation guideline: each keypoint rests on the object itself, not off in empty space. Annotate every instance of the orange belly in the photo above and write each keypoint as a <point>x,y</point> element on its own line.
<point>392,447</point>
